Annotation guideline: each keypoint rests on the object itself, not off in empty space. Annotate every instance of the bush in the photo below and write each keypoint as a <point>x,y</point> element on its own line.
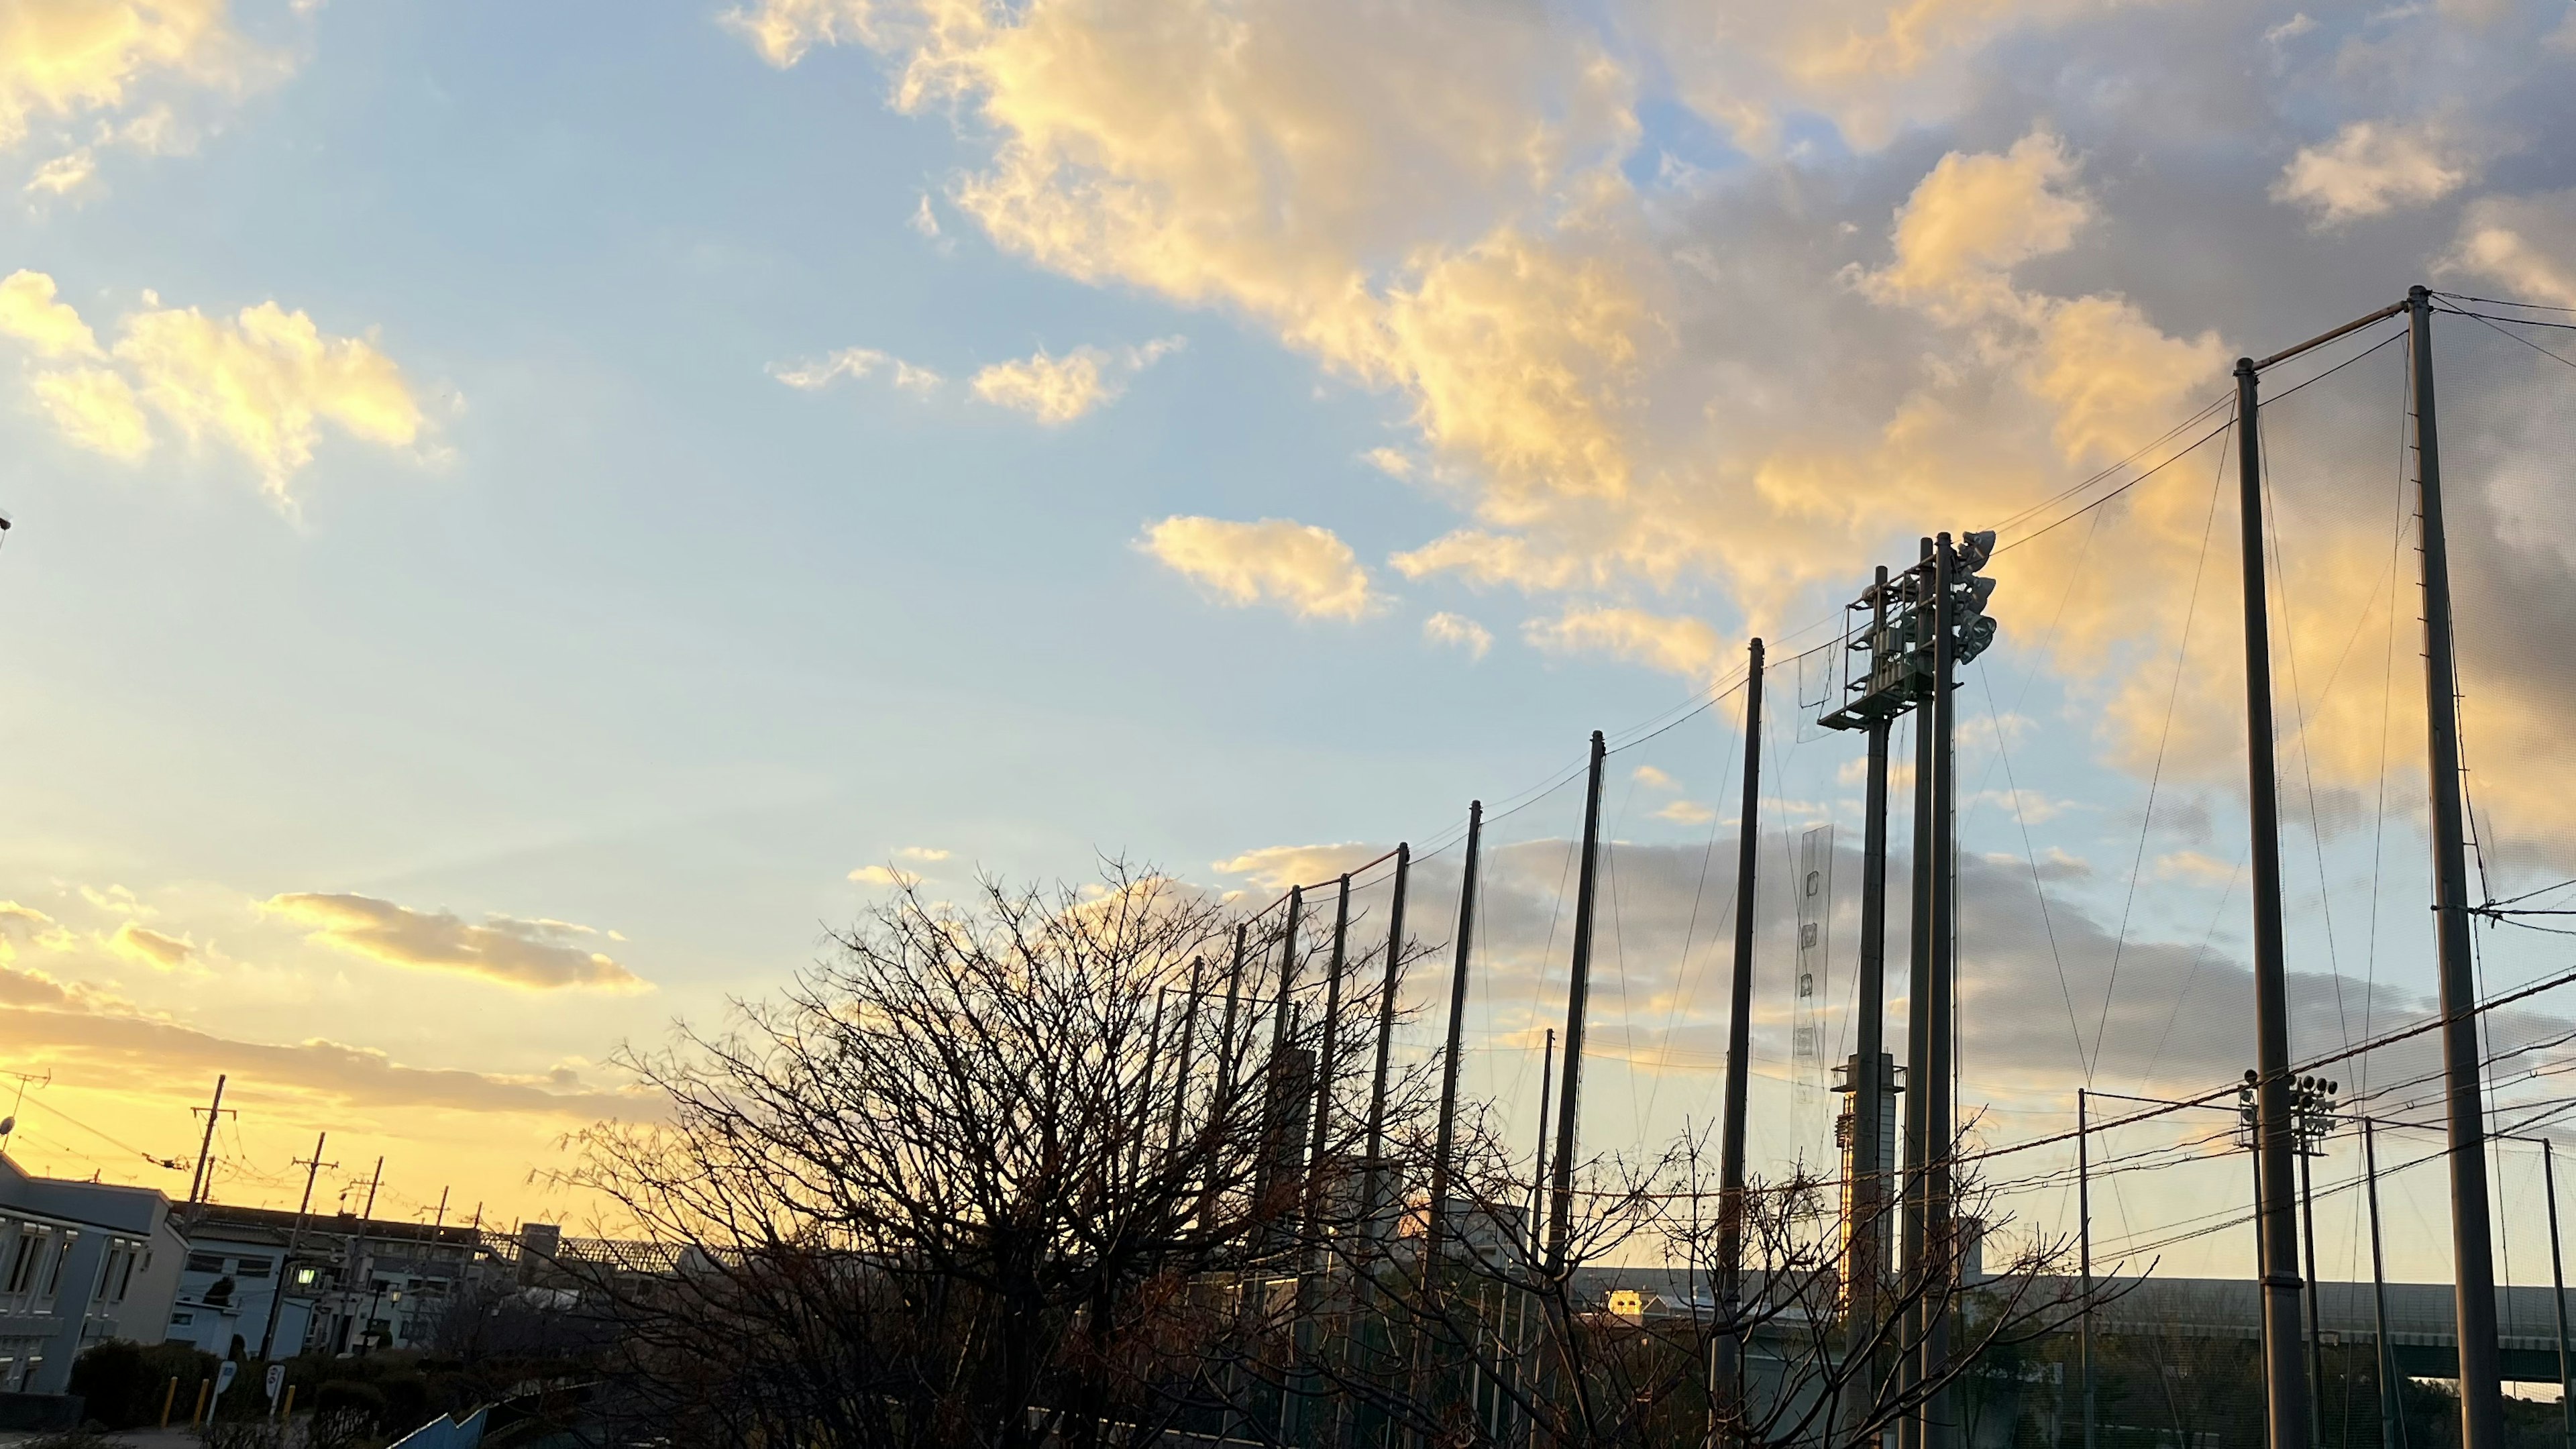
<point>340,1429</point>
<point>350,1396</point>
<point>124,1383</point>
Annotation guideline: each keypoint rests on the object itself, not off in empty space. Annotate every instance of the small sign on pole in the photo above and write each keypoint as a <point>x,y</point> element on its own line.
<point>224,1377</point>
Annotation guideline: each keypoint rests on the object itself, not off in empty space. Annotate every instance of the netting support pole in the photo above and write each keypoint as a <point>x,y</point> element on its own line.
<point>1373,1190</point>
<point>2286,1409</point>
<point>1918,1051</point>
<point>1726,1348</point>
<point>2464,1113</point>
<point>1578,991</point>
<point>1444,1138</point>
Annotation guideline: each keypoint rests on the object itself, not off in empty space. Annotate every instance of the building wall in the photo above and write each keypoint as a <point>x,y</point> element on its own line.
<point>79,1262</point>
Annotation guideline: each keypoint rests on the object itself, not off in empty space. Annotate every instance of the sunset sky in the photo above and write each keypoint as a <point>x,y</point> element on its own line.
<point>528,515</point>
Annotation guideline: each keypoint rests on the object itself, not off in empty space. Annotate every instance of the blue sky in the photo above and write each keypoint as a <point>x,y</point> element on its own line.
<point>1600,334</point>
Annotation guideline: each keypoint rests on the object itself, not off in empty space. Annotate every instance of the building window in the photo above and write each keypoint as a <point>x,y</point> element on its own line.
<point>254,1267</point>
<point>182,1320</point>
<point>54,1267</point>
<point>22,1261</point>
<point>205,1263</point>
<point>113,1273</point>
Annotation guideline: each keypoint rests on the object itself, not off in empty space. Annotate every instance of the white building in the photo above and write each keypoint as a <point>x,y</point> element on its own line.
<point>336,1282</point>
<point>79,1262</point>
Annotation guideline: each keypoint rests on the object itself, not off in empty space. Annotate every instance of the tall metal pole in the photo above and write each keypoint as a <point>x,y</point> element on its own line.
<point>2558,1294</point>
<point>1277,1115</point>
<point>1940,1112</point>
<point>1331,1062</point>
<point>1538,1173</point>
<point>1189,1056</point>
<point>1865,1260</point>
<point>1728,1347</point>
<point>1221,1111</point>
<point>2464,1114</point>
<point>1374,1188</point>
<point>2286,1411</point>
<point>2084,1255</point>
<point>1444,1139</point>
<point>2392,1430</point>
<point>1577,997</point>
<point>1918,1049</point>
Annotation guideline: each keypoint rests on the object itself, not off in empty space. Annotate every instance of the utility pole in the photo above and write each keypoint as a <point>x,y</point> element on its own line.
<point>2392,1429</point>
<point>2558,1294</point>
<point>2464,1113</point>
<point>2315,1118</point>
<point>1374,1188</point>
<point>1727,1348</point>
<point>1444,1139</point>
<point>1277,1116</point>
<point>358,1261</point>
<point>1310,1280</point>
<point>1577,994</point>
<point>285,1270</point>
<point>1221,1110</point>
<point>2286,1408</point>
<point>2084,1255</point>
<point>202,1186</point>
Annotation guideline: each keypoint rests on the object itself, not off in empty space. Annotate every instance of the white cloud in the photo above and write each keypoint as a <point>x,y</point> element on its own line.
<point>922,853</point>
<point>1060,389</point>
<point>1458,632</point>
<point>2372,167</point>
<point>2525,246</point>
<point>1686,812</point>
<point>1653,779</point>
<point>1299,567</point>
<point>884,875</point>
<point>64,174</point>
<point>857,363</point>
<point>539,955</point>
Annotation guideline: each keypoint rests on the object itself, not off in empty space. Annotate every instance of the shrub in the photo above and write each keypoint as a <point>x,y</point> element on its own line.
<point>124,1382</point>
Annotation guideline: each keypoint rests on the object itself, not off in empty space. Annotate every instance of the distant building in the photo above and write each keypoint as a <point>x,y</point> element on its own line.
<point>336,1283</point>
<point>80,1262</point>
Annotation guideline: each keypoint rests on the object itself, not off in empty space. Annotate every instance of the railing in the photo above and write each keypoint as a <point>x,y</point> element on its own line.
<point>446,1433</point>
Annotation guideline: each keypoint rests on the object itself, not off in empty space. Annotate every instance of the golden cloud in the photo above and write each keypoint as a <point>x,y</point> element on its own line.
<point>30,313</point>
<point>1301,568</point>
<point>264,381</point>
<point>95,408</point>
<point>1677,646</point>
<point>147,947</point>
<point>59,58</point>
<point>41,1018</point>
<point>538,955</point>
<point>1060,389</point>
<point>1458,632</point>
<point>2372,167</point>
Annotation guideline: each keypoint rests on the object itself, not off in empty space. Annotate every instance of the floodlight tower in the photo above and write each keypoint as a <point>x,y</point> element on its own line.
<point>1921,624</point>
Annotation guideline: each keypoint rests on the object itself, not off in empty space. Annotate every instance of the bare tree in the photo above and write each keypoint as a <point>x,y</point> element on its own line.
<point>1028,1169</point>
